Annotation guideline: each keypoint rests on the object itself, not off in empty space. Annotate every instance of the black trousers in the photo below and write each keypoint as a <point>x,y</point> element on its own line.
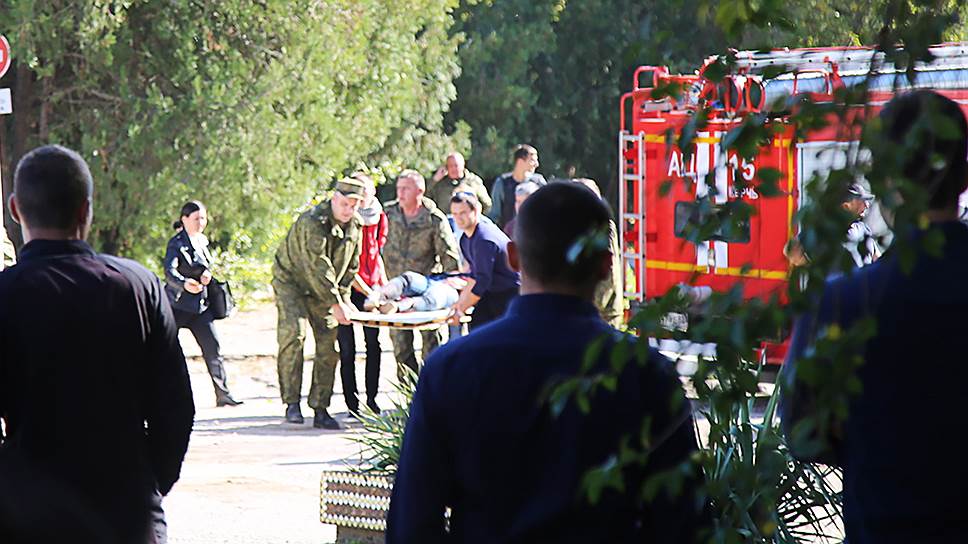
<point>491,306</point>
<point>158,526</point>
<point>347,357</point>
<point>203,329</point>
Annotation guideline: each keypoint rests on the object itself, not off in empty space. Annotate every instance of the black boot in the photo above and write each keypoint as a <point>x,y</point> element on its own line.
<point>294,414</point>
<point>216,369</point>
<point>353,406</point>
<point>224,398</point>
<point>322,420</point>
<point>373,406</point>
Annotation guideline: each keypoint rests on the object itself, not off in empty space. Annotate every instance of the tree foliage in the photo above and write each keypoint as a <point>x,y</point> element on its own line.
<point>550,72</point>
<point>250,106</point>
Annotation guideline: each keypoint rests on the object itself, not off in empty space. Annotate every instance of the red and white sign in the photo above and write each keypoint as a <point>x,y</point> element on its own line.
<point>4,55</point>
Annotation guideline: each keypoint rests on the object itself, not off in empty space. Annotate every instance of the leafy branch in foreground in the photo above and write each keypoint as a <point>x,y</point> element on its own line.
<point>382,438</point>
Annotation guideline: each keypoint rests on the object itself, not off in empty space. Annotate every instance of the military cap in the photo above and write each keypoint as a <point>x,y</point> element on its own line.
<point>351,188</point>
<point>856,191</point>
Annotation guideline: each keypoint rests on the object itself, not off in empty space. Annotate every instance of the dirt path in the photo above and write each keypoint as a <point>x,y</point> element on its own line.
<point>249,477</point>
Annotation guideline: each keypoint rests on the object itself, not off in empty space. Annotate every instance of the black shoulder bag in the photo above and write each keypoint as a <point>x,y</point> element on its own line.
<point>220,299</point>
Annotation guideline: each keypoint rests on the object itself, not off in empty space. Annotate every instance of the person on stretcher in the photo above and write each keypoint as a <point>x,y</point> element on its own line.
<point>413,292</point>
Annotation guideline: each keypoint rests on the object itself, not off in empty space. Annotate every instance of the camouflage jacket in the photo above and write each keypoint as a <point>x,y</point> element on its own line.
<point>424,244</point>
<point>320,256</point>
<point>441,191</point>
<point>610,294</point>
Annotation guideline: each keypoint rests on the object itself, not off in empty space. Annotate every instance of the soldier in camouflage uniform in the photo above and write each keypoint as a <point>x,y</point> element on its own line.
<point>452,175</point>
<point>312,273</point>
<point>610,293</point>
<point>420,240</point>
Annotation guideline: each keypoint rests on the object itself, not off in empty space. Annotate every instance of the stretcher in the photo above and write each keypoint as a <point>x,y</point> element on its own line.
<point>417,321</point>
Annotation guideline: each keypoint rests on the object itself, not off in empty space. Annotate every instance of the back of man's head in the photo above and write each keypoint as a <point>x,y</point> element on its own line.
<point>561,236</point>
<point>932,136</point>
<point>51,185</point>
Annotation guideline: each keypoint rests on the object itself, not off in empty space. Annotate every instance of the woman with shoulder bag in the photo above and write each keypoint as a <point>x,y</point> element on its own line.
<point>188,276</point>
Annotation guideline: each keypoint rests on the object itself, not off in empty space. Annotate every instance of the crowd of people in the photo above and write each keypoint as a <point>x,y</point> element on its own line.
<point>97,406</point>
<point>441,246</point>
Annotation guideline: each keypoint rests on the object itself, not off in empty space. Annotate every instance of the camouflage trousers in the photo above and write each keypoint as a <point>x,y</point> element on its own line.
<point>295,308</point>
<point>404,352</point>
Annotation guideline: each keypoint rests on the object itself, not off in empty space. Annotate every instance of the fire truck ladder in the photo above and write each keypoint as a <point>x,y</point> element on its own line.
<point>631,173</point>
<point>952,55</point>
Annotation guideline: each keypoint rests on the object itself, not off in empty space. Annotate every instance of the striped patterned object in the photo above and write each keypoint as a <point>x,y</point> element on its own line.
<point>349,499</point>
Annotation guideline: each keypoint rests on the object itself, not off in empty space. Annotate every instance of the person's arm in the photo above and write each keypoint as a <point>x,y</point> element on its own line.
<point>497,200</point>
<point>424,476</point>
<point>172,277</point>
<point>467,299</point>
<point>169,408</point>
<point>381,232</point>
<point>381,241</point>
<point>675,514</point>
<point>176,279</point>
<point>445,247</point>
<point>481,191</point>
<point>811,433</point>
<point>485,254</point>
<point>361,286</point>
<point>352,272</point>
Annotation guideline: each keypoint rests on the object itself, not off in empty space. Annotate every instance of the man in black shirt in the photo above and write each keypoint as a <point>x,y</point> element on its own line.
<point>94,391</point>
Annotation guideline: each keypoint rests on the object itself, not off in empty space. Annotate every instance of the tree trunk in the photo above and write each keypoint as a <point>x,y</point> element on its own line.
<point>23,135</point>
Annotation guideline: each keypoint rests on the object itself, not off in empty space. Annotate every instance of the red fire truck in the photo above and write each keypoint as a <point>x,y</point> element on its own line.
<point>653,221</point>
<point>655,214</point>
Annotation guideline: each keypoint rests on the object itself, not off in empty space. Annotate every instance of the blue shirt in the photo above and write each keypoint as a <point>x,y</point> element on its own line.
<point>900,445</point>
<point>486,251</point>
<point>481,439</point>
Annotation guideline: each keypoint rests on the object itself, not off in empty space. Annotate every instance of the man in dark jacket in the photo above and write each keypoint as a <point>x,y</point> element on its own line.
<point>483,440</point>
<point>903,479</point>
<point>94,391</point>
<point>502,192</point>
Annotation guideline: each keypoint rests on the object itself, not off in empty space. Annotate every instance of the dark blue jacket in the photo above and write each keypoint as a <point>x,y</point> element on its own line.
<point>183,262</point>
<point>901,446</point>
<point>94,391</point>
<point>481,440</point>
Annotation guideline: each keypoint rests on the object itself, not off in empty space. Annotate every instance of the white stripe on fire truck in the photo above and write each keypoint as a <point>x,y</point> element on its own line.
<point>702,168</point>
<point>721,248</point>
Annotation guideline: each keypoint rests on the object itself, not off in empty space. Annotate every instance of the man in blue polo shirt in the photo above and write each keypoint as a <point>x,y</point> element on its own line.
<point>483,440</point>
<point>492,284</point>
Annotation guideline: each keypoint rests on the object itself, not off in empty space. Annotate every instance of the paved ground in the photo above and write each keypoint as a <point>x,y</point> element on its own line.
<point>249,477</point>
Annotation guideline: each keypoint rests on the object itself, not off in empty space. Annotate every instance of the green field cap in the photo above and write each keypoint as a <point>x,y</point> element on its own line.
<point>350,187</point>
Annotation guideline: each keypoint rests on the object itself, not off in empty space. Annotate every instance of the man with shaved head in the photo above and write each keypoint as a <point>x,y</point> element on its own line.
<point>94,391</point>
